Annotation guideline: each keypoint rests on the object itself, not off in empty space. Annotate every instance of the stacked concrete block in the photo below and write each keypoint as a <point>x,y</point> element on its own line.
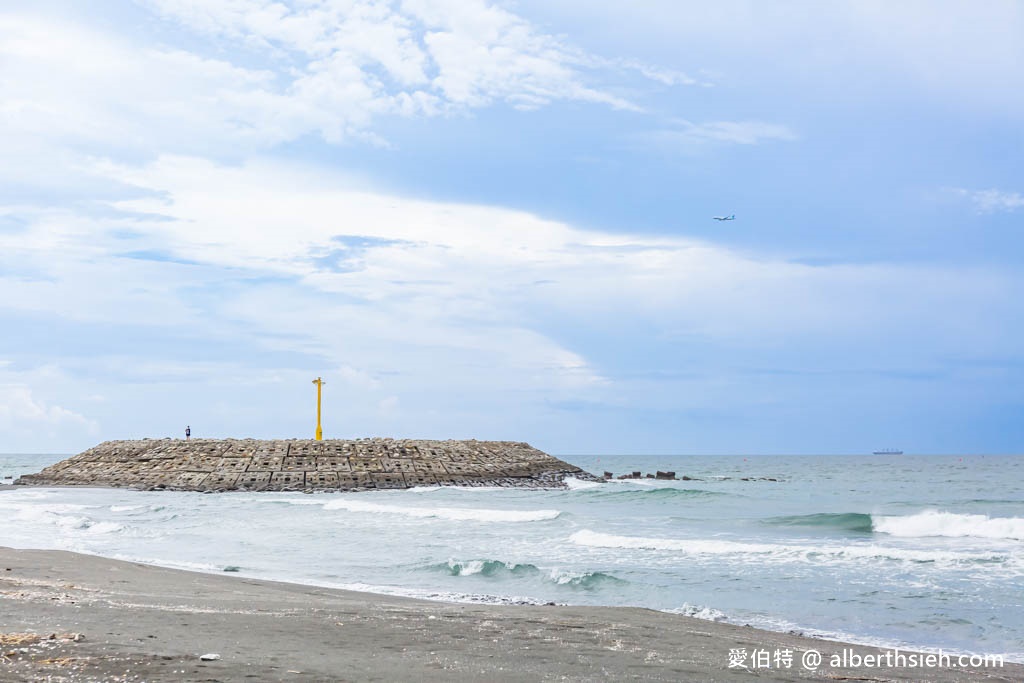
<point>306,465</point>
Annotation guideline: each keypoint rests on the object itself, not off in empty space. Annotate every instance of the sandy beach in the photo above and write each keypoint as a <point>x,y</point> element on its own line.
<point>71,617</point>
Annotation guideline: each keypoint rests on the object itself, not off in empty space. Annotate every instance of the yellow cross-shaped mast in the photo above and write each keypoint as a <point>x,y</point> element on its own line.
<point>319,388</point>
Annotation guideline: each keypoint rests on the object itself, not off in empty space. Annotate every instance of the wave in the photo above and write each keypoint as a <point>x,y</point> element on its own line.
<point>639,490</point>
<point>457,514</point>
<point>91,526</point>
<point>584,580</point>
<point>435,595</point>
<point>658,493</point>
<point>32,509</point>
<point>781,552</point>
<point>844,521</point>
<point>513,570</point>
<point>485,568</point>
<point>101,527</point>
<point>922,524</point>
<point>205,567</point>
<point>699,612</point>
<point>950,524</point>
<point>62,516</point>
<point>574,484</point>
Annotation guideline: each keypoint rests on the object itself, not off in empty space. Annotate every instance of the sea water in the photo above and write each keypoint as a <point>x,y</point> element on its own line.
<point>910,551</point>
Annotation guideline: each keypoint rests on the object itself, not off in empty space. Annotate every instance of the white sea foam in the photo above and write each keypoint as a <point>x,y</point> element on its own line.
<point>128,508</point>
<point>699,612</point>
<point>434,595</point>
<point>204,567</point>
<point>457,514</point>
<point>575,484</point>
<point>936,523</point>
<point>35,508</point>
<point>466,568</point>
<point>102,527</point>
<point>779,552</point>
<point>596,539</point>
<point>304,500</point>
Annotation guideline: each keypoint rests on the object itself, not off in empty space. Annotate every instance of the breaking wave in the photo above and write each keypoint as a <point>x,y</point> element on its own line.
<point>485,568</point>
<point>935,523</point>
<point>513,570</point>
<point>920,525</point>
<point>781,552</point>
<point>457,514</point>
<point>699,612</point>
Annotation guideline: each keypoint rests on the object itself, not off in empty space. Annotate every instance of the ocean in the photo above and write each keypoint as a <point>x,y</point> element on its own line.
<point>907,551</point>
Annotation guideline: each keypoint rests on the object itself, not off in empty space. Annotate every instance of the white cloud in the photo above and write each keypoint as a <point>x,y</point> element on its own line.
<point>992,200</point>
<point>256,74</point>
<point>964,51</point>
<point>686,133</point>
<point>375,282</point>
<point>463,52</point>
<point>22,412</point>
<point>469,314</point>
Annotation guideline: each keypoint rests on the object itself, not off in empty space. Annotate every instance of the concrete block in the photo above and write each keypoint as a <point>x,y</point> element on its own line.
<point>333,463</point>
<point>364,464</point>
<point>304,448</point>
<point>298,463</point>
<point>322,480</point>
<point>389,480</point>
<point>419,479</point>
<point>200,463</point>
<point>355,480</point>
<point>288,481</point>
<point>221,480</point>
<point>232,465</point>
<point>191,480</point>
<point>265,463</point>
<point>254,481</point>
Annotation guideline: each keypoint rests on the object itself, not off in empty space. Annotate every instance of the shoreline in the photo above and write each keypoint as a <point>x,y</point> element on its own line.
<point>113,619</point>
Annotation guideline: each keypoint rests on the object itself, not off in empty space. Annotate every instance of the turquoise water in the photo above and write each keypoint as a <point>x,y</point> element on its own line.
<point>922,551</point>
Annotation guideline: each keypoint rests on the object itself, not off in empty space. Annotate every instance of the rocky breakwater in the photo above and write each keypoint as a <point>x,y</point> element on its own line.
<point>306,465</point>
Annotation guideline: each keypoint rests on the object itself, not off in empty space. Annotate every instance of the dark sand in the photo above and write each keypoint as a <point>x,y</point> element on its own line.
<point>144,623</point>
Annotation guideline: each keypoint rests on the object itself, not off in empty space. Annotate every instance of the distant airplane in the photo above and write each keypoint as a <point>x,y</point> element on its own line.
<point>725,218</point>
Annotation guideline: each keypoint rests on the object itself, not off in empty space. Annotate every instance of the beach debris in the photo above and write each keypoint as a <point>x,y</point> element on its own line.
<point>209,657</point>
<point>19,639</point>
<point>232,568</point>
<point>59,661</point>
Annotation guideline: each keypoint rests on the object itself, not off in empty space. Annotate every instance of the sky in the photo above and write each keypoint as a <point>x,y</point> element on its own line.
<point>494,220</point>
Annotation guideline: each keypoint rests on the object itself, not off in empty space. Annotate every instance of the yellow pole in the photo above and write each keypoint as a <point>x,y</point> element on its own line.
<point>319,387</point>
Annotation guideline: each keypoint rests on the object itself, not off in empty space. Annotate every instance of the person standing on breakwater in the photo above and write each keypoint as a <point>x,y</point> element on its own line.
<point>188,433</point>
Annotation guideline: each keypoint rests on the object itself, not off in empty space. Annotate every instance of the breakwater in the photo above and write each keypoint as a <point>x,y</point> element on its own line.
<point>306,465</point>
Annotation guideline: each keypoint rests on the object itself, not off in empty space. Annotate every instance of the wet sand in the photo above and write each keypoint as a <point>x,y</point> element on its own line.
<point>122,621</point>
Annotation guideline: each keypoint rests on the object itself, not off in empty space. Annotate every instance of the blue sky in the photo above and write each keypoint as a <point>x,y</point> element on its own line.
<point>493,220</point>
